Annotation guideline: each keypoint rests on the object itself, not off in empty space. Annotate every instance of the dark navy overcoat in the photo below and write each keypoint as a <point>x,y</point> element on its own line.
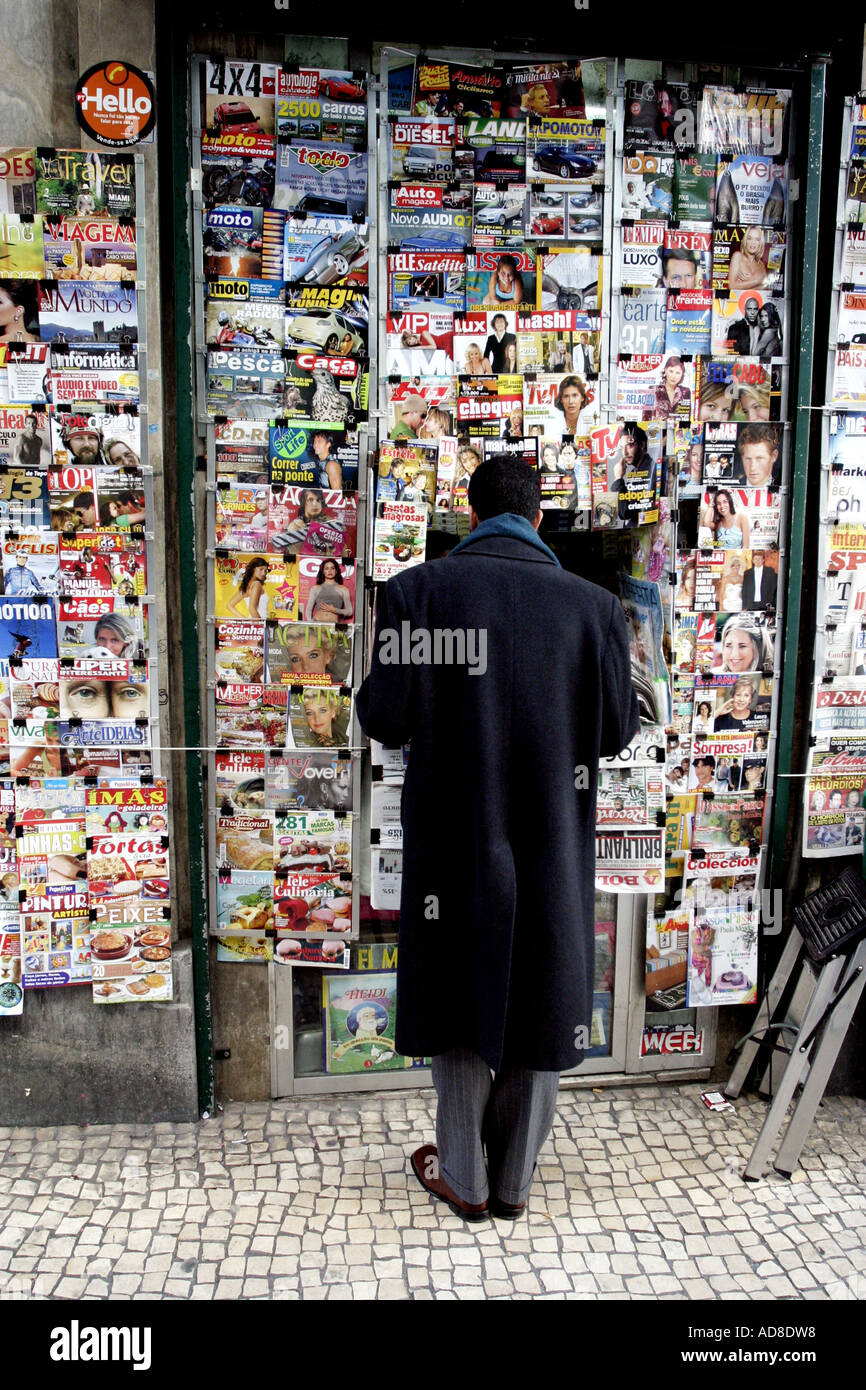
<point>497,909</point>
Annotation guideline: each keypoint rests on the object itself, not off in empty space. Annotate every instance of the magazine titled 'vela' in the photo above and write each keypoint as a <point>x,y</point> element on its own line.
<point>751,190</point>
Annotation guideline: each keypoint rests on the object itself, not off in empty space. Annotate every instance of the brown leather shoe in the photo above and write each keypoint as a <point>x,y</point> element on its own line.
<point>505,1210</point>
<point>438,1187</point>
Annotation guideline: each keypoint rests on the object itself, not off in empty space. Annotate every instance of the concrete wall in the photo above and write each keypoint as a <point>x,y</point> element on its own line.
<point>65,1060</point>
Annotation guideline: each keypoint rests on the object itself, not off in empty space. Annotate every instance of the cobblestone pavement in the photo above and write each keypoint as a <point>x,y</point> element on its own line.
<point>637,1195</point>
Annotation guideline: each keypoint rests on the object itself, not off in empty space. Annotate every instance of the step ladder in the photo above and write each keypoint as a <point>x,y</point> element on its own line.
<point>828,943</point>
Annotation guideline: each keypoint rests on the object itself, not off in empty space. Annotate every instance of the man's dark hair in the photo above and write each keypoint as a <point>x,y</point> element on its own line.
<point>504,484</point>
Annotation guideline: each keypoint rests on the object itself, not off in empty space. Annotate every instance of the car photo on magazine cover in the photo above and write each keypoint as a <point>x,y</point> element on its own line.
<point>565,163</point>
<point>331,259</point>
<point>496,215</point>
<point>327,330</point>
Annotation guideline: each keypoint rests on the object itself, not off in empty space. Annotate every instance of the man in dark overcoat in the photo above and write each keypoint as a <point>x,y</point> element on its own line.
<point>509,677</point>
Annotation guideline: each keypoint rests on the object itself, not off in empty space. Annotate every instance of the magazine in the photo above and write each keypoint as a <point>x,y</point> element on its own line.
<point>626,461</point>
<point>629,861</point>
<point>738,388</point>
<point>659,115</point>
<point>560,405</point>
<point>306,456</point>
<point>695,188</point>
<point>85,184</point>
<point>312,842</point>
<point>240,107</point>
<point>325,250</point>
<point>642,604</point>
<point>723,956</point>
<point>752,191</point>
<point>456,89</point>
<point>309,654</point>
<point>498,148</point>
<point>834,818</point>
<point>241,449</point>
<point>642,244</point>
<point>420,343</point>
<point>569,278</point>
<point>739,518</point>
<point>311,170</point>
<point>88,249</point>
<point>498,215</point>
<point>227,177</point>
<point>426,216</point>
<point>232,242</point>
<point>565,150</point>
<point>558,340</point>
<point>102,562</point>
<point>746,120</point>
<point>421,409</point>
<point>92,310</point>
<point>538,90</point>
<point>565,475</point>
<point>629,796</point>
<point>101,625</point>
<point>854,257</point>
<point>246,841</point>
<point>319,717</point>
<point>245,383</point>
<point>24,369</point>
<point>255,587</point>
<point>490,407</point>
<point>245,902</point>
<point>250,716</point>
<point>311,903</point>
<point>689,323</point>
<point>242,516</point>
<point>240,779</point>
<point>750,324</point>
<point>435,278</point>
<point>747,258</point>
<point>500,279</point>
<point>31,566</point>
<point>316,780</point>
<point>23,499</point>
<point>126,807</point>
<point>422,149</point>
<point>244,313</point>
<point>654,387</point>
<point>239,649</point>
<point>855,200</point>
<point>332,318</point>
<point>846,479</point>
<point>647,187</point>
<point>327,103</point>
<point>642,321</point>
<point>398,537</point>
<point>312,521</point>
<point>21,254</point>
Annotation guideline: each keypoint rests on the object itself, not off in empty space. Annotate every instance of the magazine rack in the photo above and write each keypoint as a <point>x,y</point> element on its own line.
<point>828,944</point>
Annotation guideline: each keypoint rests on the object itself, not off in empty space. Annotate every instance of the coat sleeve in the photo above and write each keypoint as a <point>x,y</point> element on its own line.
<point>384,702</point>
<point>619,718</point>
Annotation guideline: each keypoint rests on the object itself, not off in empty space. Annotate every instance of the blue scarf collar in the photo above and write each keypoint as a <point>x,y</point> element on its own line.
<point>506,524</point>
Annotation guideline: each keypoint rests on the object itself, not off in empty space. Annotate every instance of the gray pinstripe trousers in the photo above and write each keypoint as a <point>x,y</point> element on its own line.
<point>511,1114</point>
